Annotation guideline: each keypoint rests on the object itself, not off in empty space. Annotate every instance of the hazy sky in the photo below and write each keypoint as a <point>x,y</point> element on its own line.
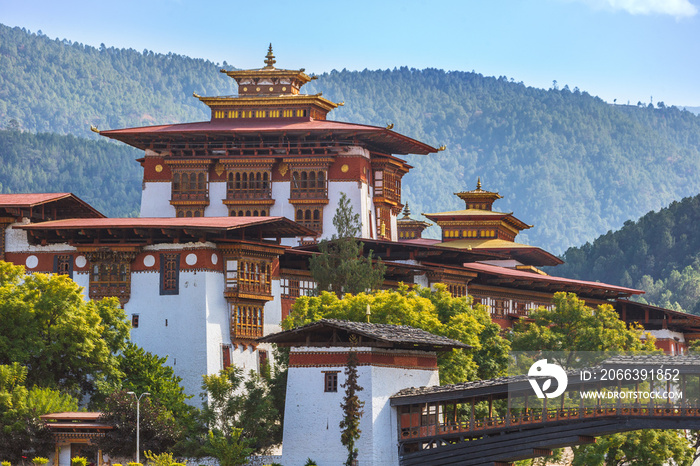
<point>629,50</point>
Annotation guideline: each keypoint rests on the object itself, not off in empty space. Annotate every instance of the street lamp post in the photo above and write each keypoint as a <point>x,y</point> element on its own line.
<point>138,418</point>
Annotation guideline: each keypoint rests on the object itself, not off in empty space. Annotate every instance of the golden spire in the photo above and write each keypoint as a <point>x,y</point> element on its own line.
<point>270,59</point>
<point>406,211</point>
<point>478,182</point>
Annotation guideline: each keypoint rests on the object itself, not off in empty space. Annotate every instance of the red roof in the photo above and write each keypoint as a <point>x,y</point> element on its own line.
<point>217,223</point>
<point>163,230</point>
<point>505,272</point>
<point>72,416</point>
<point>48,205</point>
<point>383,138</point>
<point>30,199</point>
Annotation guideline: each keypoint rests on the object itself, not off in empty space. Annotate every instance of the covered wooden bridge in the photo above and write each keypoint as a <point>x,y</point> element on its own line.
<point>498,421</point>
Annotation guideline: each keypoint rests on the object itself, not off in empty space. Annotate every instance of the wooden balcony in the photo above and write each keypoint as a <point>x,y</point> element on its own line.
<point>190,196</point>
<point>309,193</point>
<point>249,194</point>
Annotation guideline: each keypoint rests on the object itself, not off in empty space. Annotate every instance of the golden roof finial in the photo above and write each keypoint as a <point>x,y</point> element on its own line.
<point>94,129</point>
<point>270,59</point>
<point>406,211</point>
<point>478,182</point>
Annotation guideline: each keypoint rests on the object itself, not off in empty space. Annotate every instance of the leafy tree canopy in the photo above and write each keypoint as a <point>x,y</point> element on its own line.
<point>141,371</point>
<point>63,340</point>
<point>434,311</point>
<point>21,430</point>
<point>159,432</point>
<point>572,326</point>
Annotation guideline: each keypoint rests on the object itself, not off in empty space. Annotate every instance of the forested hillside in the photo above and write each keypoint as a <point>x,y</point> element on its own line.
<point>564,160</point>
<point>659,253</point>
<point>102,173</point>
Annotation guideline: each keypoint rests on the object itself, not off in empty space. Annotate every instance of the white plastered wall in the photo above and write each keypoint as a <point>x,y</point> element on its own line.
<point>195,317</point>
<point>155,200</point>
<point>217,194</point>
<point>309,409</point>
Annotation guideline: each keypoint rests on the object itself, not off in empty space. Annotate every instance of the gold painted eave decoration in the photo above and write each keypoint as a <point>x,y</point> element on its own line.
<point>269,101</point>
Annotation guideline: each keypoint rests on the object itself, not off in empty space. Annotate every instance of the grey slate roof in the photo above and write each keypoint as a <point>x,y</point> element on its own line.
<point>687,364</point>
<point>399,336</point>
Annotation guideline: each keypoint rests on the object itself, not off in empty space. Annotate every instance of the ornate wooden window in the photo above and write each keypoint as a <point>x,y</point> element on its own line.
<point>330,381</point>
<point>248,212</point>
<point>248,276</point>
<point>226,355</point>
<point>309,184</point>
<point>63,265</point>
<point>263,362</point>
<point>310,217</point>
<point>169,274</point>
<point>457,290</point>
<point>246,320</point>
<point>252,184</point>
<point>190,186</point>
<point>387,184</point>
<point>189,212</point>
<point>293,287</point>
<point>110,274</point>
<point>134,321</point>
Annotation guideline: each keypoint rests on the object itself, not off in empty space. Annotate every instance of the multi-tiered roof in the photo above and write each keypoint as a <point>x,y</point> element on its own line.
<point>268,117</point>
<point>480,227</point>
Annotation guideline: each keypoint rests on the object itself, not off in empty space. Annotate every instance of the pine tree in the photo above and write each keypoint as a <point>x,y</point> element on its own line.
<point>352,409</point>
<point>341,267</point>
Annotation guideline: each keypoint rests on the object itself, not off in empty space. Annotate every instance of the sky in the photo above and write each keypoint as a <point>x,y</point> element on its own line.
<point>620,50</point>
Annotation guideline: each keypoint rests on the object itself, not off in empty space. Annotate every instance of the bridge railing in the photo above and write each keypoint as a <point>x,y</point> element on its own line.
<point>540,416</point>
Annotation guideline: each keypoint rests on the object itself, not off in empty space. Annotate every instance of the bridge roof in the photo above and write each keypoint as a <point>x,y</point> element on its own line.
<point>500,387</point>
<point>333,332</point>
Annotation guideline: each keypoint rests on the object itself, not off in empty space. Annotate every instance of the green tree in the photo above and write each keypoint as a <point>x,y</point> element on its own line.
<point>571,326</point>
<point>643,447</point>
<point>142,371</point>
<point>239,410</point>
<point>21,430</point>
<point>340,266</point>
<point>66,342</point>
<point>352,409</point>
<point>159,432</point>
<point>435,311</point>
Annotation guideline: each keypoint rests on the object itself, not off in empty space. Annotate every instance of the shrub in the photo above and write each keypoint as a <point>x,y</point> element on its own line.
<point>5,463</point>
<point>40,460</point>
<point>79,461</point>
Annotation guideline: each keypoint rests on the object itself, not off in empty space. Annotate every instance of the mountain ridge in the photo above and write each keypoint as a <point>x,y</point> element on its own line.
<point>565,161</point>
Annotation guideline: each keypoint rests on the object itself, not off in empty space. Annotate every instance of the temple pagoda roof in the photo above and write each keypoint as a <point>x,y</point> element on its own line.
<point>239,130</point>
<point>478,214</point>
<point>496,275</point>
<point>524,253</point>
<point>144,230</point>
<point>333,332</point>
<point>291,79</point>
<point>407,221</point>
<point>46,206</point>
<point>479,194</point>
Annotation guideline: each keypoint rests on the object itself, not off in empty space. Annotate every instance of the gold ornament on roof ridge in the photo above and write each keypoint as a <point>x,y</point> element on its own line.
<point>270,59</point>
<point>478,182</point>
